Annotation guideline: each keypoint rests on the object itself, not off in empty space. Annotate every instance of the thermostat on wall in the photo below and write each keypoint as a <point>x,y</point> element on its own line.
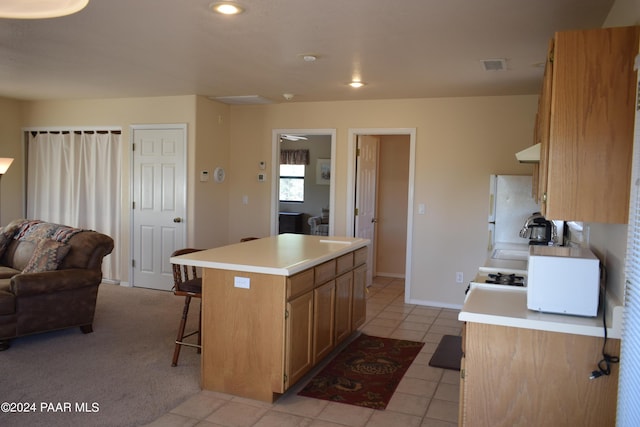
<point>218,174</point>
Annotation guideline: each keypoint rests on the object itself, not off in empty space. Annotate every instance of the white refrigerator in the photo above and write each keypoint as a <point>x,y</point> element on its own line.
<point>510,204</point>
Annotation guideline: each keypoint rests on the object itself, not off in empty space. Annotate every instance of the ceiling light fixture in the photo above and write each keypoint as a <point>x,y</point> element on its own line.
<point>356,84</point>
<point>227,8</point>
<point>309,58</point>
<point>21,9</point>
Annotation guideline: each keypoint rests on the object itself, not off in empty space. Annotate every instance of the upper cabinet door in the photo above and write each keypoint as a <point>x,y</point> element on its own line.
<point>591,121</point>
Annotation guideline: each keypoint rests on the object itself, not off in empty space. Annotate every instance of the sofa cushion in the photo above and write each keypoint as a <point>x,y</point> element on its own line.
<point>47,255</point>
<point>8,272</point>
<point>7,299</point>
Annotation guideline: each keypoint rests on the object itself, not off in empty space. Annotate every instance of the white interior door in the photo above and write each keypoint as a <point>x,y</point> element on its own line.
<point>159,198</point>
<point>366,179</point>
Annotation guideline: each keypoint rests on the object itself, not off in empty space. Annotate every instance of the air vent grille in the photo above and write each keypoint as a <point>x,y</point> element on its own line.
<point>243,99</point>
<point>494,64</point>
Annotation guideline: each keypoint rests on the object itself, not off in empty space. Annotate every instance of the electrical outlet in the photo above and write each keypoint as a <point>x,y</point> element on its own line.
<point>459,277</point>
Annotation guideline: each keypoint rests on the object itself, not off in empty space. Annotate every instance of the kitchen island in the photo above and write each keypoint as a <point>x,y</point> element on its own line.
<point>522,367</point>
<point>273,308</point>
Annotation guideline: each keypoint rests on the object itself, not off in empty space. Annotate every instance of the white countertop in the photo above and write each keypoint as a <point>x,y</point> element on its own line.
<point>508,307</point>
<point>283,255</point>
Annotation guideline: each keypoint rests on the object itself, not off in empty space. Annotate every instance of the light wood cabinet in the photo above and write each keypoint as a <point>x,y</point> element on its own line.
<point>359,296</point>
<point>260,338</point>
<point>299,326</point>
<point>324,303</point>
<point>517,376</point>
<point>585,125</point>
<point>344,306</point>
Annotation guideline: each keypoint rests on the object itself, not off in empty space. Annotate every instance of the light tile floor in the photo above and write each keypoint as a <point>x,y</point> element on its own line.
<point>426,396</point>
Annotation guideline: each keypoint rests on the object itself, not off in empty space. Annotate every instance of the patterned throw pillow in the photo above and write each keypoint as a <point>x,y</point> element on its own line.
<point>46,256</point>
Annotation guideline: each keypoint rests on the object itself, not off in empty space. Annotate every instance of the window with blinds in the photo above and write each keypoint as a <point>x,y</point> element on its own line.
<point>629,381</point>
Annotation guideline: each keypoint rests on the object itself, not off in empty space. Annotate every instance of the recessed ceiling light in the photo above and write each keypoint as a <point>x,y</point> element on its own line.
<point>227,8</point>
<point>309,58</point>
<point>356,84</point>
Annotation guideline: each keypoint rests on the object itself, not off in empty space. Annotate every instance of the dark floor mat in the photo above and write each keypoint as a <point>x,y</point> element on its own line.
<point>448,353</point>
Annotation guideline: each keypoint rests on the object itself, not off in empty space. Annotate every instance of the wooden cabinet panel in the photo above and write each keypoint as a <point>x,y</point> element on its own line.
<point>325,272</point>
<point>535,378</point>
<point>344,298</point>
<point>588,154</point>
<point>324,303</point>
<point>344,263</point>
<point>360,256</point>
<point>300,283</point>
<point>359,296</point>
<point>299,339</point>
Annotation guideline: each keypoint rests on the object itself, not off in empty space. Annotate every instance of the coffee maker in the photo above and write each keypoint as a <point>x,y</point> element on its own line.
<point>539,230</point>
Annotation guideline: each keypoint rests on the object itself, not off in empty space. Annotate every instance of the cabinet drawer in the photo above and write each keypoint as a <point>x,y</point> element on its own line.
<point>344,263</point>
<point>360,256</point>
<point>299,283</point>
<point>325,272</point>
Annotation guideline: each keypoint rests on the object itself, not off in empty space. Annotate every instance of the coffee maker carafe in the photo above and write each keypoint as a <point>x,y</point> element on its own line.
<point>538,230</point>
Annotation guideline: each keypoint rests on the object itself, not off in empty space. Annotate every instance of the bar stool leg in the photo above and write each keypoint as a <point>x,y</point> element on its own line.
<point>180,337</point>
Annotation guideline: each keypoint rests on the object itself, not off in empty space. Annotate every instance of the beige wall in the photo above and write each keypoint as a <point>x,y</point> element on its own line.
<point>392,197</point>
<point>207,147</point>
<point>12,184</point>
<point>460,142</point>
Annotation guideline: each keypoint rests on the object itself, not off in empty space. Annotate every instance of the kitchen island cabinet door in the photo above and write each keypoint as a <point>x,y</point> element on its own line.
<point>518,376</point>
<point>324,305</point>
<point>359,296</point>
<point>299,341</point>
<point>344,304</point>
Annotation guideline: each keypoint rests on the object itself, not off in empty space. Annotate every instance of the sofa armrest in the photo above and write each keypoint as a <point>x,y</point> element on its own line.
<point>28,284</point>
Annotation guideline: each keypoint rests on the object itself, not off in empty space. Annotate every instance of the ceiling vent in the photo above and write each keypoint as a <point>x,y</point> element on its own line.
<point>243,100</point>
<point>494,64</point>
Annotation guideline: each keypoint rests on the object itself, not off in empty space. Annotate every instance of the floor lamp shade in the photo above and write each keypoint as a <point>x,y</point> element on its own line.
<point>5,162</point>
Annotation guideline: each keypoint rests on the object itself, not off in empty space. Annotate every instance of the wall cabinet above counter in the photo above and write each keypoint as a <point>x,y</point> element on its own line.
<point>585,125</point>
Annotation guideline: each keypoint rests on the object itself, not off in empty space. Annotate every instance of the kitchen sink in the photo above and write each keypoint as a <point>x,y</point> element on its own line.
<point>510,254</point>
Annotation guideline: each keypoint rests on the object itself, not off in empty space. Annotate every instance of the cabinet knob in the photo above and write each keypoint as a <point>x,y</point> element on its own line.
<point>544,198</point>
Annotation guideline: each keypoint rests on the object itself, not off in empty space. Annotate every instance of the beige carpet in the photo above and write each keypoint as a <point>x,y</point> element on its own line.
<point>123,369</point>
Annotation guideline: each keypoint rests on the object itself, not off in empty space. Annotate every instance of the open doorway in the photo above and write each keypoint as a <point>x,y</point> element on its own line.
<point>303,186</point>
<point>389,195</point>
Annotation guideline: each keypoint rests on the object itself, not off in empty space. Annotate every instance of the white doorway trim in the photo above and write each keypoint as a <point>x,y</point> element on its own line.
<point>351,182</point>
<point>275,172</point>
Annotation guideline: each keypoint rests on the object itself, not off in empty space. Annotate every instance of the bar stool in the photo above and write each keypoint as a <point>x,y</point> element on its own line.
<point>189,285</point>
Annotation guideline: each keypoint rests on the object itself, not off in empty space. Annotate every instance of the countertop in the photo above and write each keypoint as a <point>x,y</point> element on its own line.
<point>283,255</point>
<point>508,307</point>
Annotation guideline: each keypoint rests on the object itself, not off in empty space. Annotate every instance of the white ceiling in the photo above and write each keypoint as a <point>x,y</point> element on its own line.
<point>400,48</point>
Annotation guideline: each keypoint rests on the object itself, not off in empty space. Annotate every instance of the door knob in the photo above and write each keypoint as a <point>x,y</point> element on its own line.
<point>177,219</point>
<point>374,220</point>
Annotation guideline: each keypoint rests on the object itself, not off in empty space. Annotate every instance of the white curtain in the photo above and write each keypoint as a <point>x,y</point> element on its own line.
<point>74,179</point>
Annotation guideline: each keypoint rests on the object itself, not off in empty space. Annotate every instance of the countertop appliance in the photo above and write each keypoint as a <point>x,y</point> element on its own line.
<point>510,204</point>
<point>539,230</point>
<point>563,280</point>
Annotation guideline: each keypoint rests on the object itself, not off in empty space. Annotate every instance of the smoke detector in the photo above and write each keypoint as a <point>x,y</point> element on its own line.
<point>494,64</point>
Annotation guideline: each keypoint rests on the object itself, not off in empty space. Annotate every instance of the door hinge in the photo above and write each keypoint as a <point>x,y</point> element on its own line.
<point>461,374</point>
<point>133,147</point>
<point>357,152</point>
<point>285,379</point>
<point>133,205</point>
<point>133,263</point>
<point>286,314</point>
<point>356,212</point>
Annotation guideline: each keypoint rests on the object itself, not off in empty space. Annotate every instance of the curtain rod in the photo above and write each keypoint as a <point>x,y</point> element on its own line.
<point>77,132</point>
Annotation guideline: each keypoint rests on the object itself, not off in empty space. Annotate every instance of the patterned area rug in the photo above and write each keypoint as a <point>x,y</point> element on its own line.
<point>365,373</point>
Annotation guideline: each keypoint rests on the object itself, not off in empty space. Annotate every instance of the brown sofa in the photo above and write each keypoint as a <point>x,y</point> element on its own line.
<point>49,277</point>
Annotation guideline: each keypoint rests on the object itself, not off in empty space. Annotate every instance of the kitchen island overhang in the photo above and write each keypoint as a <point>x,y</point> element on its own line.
<point>273,308</point>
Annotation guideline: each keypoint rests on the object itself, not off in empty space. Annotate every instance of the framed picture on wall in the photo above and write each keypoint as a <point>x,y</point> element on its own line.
<point>323,171</point>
